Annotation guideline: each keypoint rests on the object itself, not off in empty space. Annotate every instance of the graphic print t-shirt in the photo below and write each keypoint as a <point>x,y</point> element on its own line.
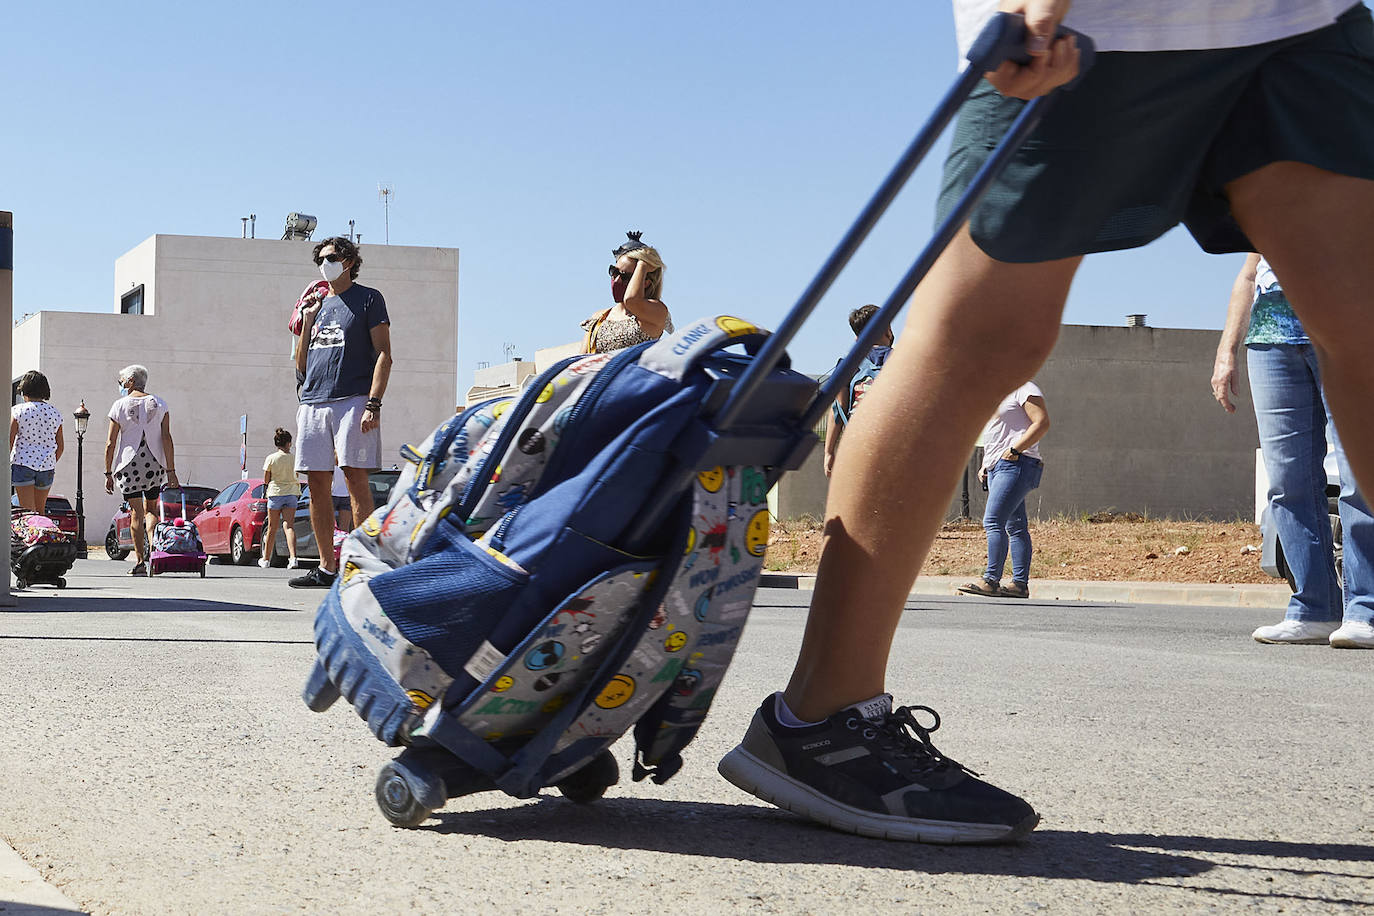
<point>1272,320</point>
<point>340,360</point>
<point>36,445</point>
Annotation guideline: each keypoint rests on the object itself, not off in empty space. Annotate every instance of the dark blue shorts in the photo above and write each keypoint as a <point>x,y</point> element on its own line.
<point>1149,140</point>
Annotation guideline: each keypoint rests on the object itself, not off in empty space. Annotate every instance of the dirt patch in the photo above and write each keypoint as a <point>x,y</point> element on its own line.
<point>1103,547</point>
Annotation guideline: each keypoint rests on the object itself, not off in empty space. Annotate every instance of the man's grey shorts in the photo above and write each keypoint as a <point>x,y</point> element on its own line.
<point>331,429</point>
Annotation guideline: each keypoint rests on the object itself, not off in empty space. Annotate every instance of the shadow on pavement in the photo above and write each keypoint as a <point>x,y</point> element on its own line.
<point>760,834</point>
<point>61,603</point>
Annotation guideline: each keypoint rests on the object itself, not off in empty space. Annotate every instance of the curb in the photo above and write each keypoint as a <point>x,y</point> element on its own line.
<point>24,892</point>
<point>1274,597</point>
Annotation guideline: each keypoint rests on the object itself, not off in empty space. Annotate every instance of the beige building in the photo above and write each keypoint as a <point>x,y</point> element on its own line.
<point>207,316</point>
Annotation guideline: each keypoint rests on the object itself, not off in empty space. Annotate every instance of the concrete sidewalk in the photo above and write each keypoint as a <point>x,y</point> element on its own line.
<point>1189,593</point>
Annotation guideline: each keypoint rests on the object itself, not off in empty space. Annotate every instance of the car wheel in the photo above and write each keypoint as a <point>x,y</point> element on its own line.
<point>239,553</point>
<point>112,548</point>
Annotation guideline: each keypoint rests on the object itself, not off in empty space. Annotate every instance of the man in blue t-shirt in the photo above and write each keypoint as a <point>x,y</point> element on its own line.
<point>344,356</point>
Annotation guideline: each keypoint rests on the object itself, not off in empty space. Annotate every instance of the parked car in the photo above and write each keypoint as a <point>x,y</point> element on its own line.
<point>380,482</point>
<point>119,540</point>
<point>232,523</point>
<point>59,510</point>
<point>1272,560</point>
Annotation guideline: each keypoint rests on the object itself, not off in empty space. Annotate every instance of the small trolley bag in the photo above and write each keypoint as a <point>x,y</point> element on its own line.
<point>557,569</point>
<point>41,553</point>
<point>177,547</point>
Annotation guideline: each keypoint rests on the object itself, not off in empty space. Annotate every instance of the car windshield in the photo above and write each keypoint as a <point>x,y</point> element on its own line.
<point>58,503</point>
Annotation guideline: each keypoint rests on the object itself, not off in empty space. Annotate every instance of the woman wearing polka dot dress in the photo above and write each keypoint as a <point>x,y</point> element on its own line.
<point>35,442</point>
<point>139,456</point>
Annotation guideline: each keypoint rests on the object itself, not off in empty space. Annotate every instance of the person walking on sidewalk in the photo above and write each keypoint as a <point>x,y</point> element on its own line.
<point>1256,139</point>
<point>283,494</point>
<point>345,356</point>
<point>139,457</point>
<point>858,385</point>
<point>35,442</point>
<point>1011,469</point>
<point>1294,426</point>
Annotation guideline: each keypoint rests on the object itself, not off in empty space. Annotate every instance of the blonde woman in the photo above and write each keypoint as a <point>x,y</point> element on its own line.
<point>638,314</point>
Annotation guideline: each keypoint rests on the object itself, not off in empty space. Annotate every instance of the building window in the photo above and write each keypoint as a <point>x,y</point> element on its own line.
<point>131,303</point>
<point>15,396</point>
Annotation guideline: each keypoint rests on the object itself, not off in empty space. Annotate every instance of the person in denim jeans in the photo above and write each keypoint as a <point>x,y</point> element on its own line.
<point>1011,469</point>
<point>1294,429</point>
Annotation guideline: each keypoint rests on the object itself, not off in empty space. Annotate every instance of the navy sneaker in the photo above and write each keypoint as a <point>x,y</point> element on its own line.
<point>873,771</point>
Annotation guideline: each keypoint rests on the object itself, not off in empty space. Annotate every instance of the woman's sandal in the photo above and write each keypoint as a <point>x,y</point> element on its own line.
<point>982,587</point>
<point>140,569</point>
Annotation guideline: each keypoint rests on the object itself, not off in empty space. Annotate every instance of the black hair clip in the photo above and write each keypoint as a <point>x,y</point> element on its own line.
<point>633,244</point>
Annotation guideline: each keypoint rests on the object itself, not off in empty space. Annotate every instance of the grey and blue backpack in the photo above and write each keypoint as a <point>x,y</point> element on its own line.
<point>555,569</point>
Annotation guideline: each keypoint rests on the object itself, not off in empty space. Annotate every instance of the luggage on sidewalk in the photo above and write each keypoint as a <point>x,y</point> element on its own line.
<point>176,546</point>
<point>41,553</point>
<point>554,570</point>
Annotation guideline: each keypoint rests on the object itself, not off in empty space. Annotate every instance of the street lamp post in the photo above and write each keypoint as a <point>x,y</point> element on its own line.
<point>82,416</point>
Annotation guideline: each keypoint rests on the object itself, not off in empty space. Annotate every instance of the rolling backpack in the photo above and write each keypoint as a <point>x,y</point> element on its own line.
<point>554,570</point>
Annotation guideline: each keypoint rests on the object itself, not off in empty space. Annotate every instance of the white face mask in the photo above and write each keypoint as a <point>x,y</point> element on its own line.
<point>331,270</point>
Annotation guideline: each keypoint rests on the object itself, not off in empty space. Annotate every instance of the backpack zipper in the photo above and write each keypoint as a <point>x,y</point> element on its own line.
<point>429,464</point>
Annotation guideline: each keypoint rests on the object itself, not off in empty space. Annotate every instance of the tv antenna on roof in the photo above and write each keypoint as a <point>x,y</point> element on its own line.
<point>386,193</point>
<point>509,349</point>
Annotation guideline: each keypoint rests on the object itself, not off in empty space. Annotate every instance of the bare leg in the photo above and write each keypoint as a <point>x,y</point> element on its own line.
<point>359,493</point>
<point>291,537</point>
<point>137,529</point>
<point>1316,228</point>
<point>26,497</point>
<point>977,329</point>
<point>269,534</point>
<point>40,499</point>
<point>322,516</point>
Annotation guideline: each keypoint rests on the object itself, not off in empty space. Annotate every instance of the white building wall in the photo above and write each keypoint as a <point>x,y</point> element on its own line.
<point>214,339</point>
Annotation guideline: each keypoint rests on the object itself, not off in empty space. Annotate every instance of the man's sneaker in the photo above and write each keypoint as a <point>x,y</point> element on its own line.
<point>1353,635</point>
<point>1297,632</point>
<point>874,772</point>
<point>316,578</point>
<point>1015,590</point>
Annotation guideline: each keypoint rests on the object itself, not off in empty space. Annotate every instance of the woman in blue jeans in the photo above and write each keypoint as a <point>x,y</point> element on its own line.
<point>1294,429</point>
<point>1011,469</point>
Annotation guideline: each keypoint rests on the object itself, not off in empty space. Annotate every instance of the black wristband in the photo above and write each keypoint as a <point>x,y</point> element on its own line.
<point>1014,450</point>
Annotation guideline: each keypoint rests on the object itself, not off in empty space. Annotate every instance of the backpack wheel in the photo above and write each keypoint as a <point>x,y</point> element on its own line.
<point>399,794</point>
<point>20,583</point>
<point>591,782</point>
<point>61,582</point>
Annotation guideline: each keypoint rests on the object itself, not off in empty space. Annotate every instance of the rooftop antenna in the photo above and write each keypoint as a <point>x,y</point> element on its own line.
<point>253,222</point>
<point>386,193</point>
<point>509,350</point>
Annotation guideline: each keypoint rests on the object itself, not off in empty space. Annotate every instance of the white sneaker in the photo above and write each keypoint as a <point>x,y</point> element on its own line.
<point>264,562</point>
<point>1354,635</point>
<point>1298,632</point>
<point>293,563</point>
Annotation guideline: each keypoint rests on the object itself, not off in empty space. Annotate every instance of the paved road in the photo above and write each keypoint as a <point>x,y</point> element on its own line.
<point>158,760</point>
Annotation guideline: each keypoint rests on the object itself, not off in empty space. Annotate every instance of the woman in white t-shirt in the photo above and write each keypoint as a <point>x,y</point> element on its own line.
<point>35,442</point>
<point>139,456</point>
<point>1011,469</point>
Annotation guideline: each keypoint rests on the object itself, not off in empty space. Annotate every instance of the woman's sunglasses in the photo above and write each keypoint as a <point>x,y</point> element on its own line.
<point>618,274</point>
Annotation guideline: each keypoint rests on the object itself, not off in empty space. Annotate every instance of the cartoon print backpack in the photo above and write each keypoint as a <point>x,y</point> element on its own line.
<point>30,528</point>
<point>553,571</point>
<point>862,379</point>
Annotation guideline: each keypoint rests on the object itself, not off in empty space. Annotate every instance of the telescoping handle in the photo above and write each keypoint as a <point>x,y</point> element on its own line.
<point>1003,38</point>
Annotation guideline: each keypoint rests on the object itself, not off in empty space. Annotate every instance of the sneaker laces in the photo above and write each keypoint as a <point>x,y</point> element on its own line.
<point>900,734</point>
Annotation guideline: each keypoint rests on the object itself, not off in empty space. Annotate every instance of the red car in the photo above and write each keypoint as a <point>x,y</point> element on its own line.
<point>119,542</point>
<point>57,509</point>
<point>232,523</point>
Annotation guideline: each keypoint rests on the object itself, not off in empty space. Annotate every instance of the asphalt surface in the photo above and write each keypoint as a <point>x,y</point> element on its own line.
<point>158,759</point>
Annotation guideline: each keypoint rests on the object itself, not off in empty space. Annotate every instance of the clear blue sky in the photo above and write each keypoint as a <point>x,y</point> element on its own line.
<point>742,138</point>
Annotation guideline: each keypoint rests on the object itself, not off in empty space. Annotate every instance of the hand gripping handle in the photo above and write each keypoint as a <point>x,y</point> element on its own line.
<point>1004,38</point>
